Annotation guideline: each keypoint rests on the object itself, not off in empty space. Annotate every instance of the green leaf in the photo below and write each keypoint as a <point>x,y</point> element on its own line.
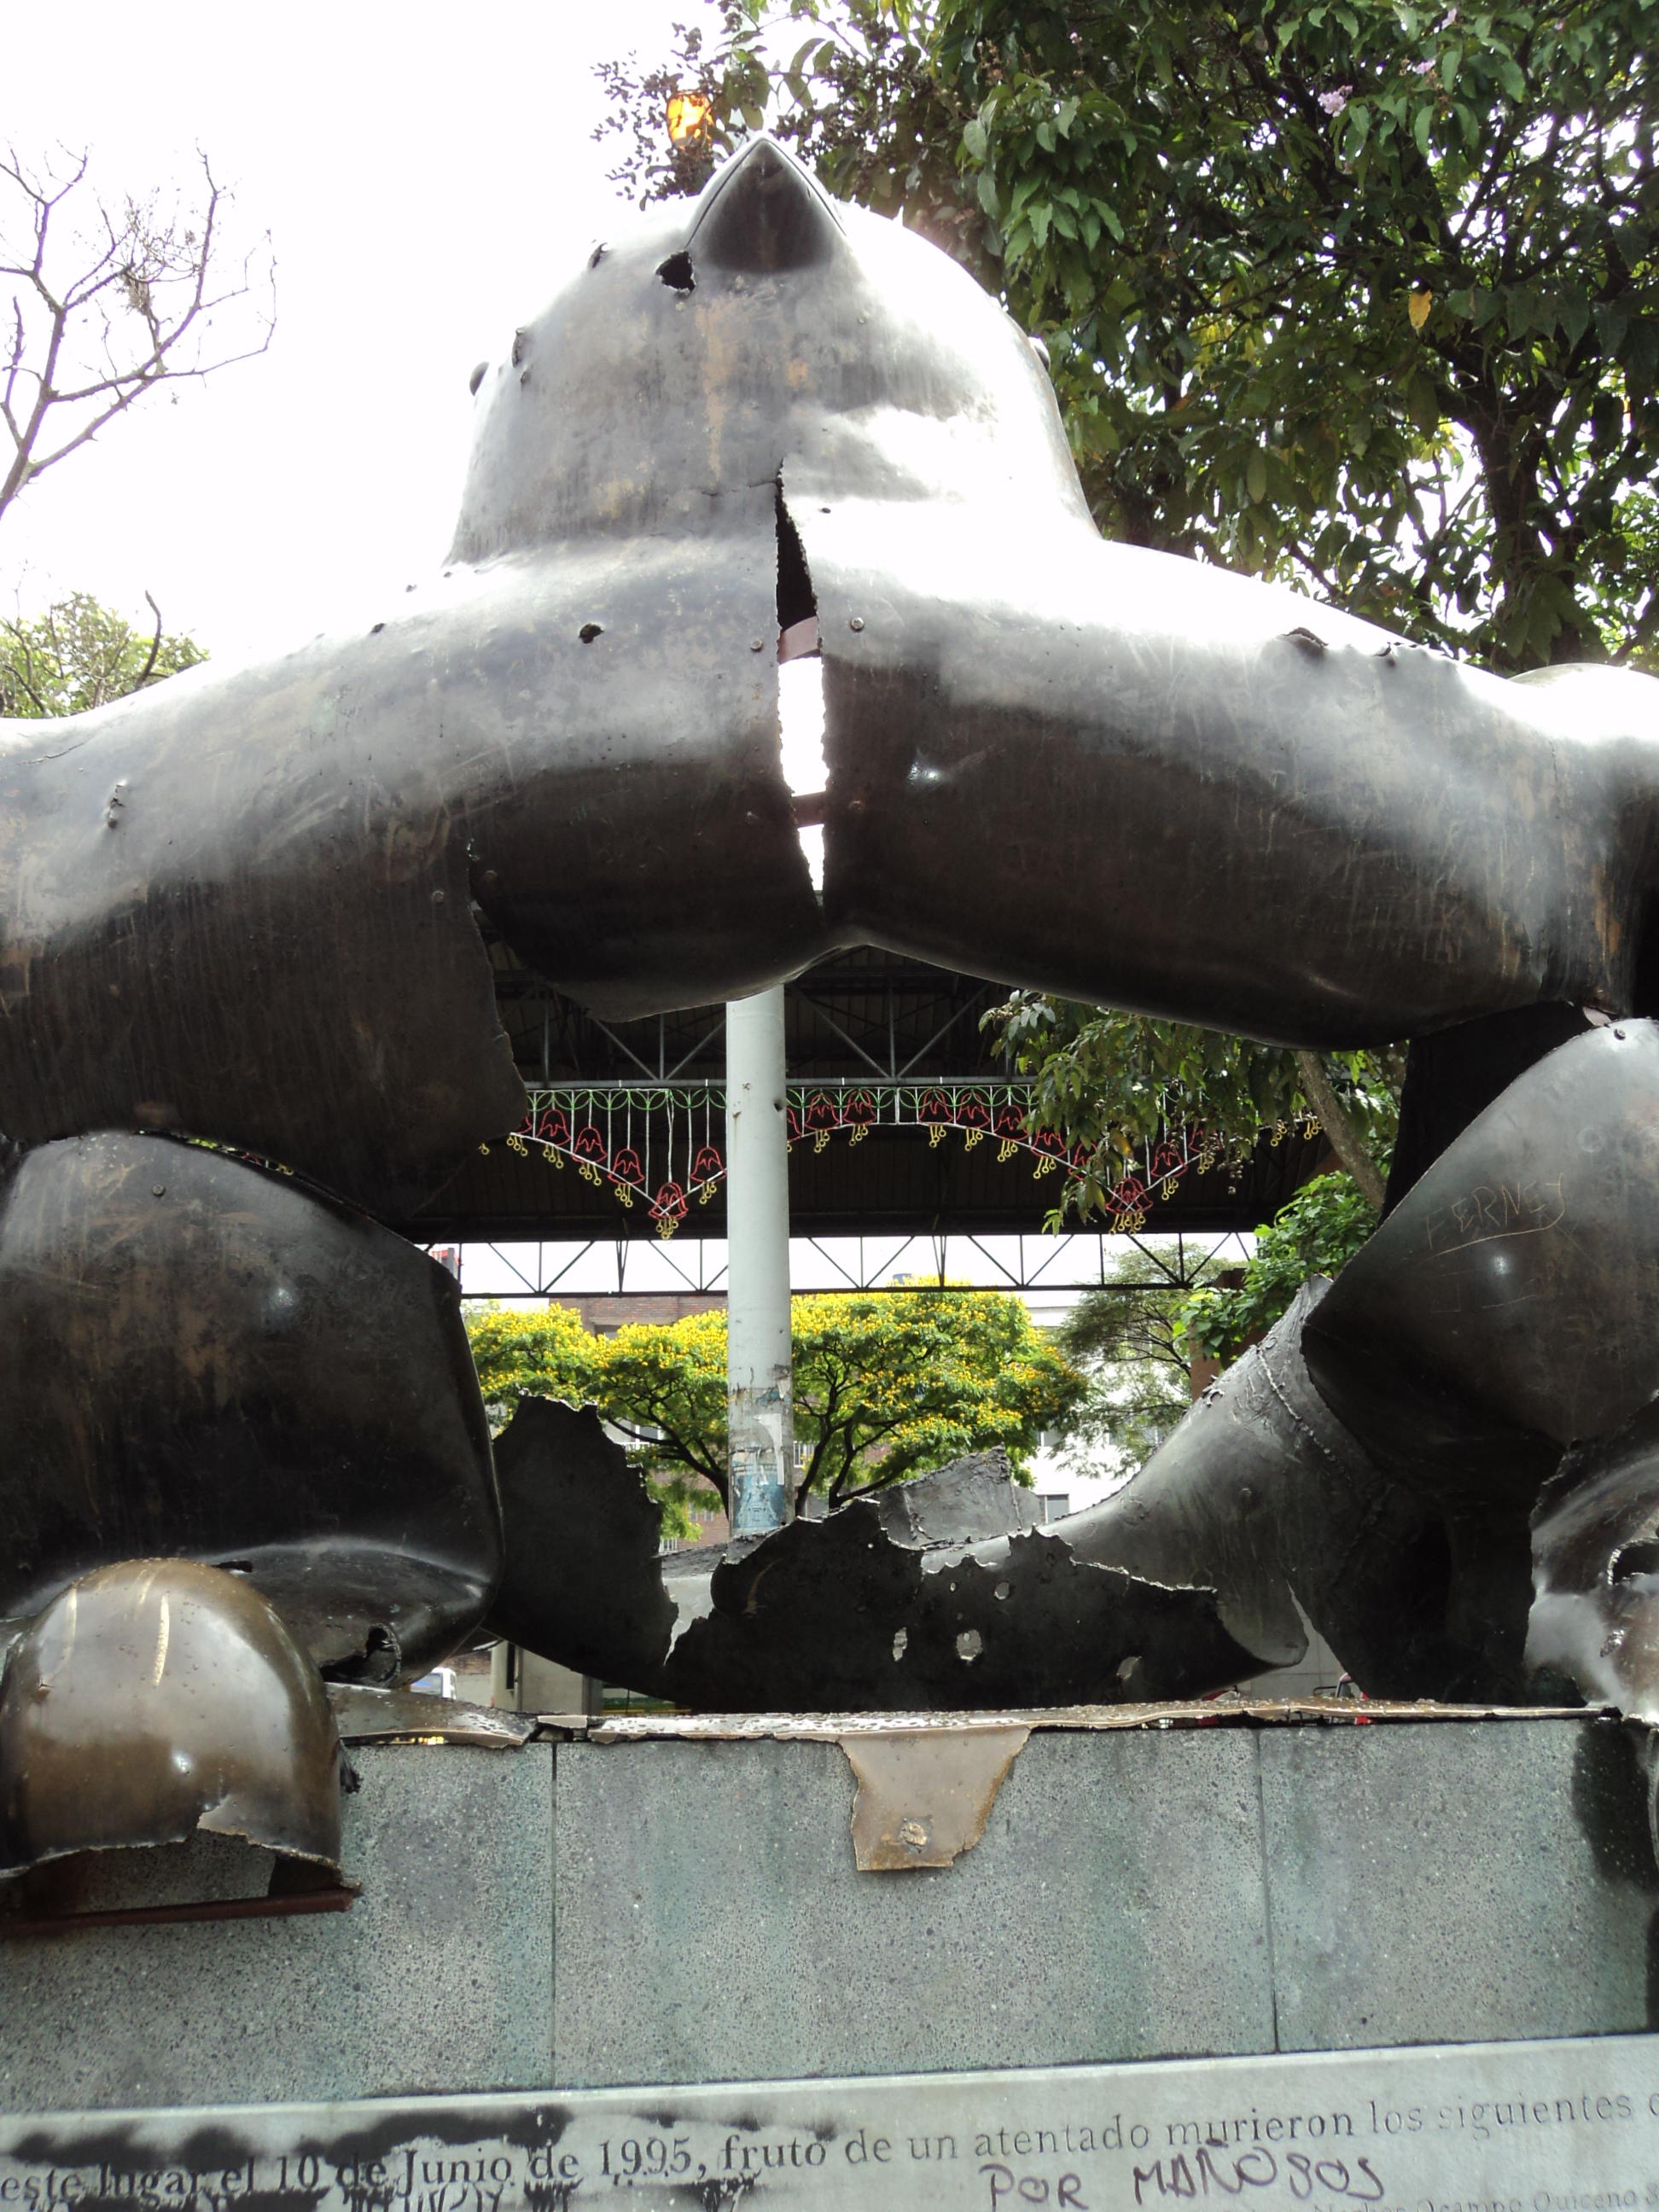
<point>975,140</point>
<point>1256,476</point>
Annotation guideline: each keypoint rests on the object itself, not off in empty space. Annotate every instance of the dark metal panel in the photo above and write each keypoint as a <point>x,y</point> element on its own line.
<point>581,1581</point>
<point>201,1359</point>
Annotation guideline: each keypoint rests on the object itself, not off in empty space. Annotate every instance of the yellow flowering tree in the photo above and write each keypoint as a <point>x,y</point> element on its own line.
<point>891,1383</point>
<point>532,1351</point>
<point>888,1384</point>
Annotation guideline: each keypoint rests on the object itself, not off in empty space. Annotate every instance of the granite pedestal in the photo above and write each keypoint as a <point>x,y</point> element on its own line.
<point>671,1911</point>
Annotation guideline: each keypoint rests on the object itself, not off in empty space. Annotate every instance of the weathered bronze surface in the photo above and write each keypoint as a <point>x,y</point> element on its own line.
<point>1522,1270</point>
<point>242,906</point>
<point>239,905</point>
<point>199,1357</point>
<point>155,1697</point>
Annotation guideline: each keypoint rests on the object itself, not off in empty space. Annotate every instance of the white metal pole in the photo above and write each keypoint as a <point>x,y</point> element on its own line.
<point>760,1400</point>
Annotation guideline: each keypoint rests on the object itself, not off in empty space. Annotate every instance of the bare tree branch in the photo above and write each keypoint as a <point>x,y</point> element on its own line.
<point>149,668</point>
<point>107,304</point>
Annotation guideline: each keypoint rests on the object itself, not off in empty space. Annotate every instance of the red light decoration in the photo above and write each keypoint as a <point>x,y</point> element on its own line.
<point>991,1109</point>
<point>668,1209</point>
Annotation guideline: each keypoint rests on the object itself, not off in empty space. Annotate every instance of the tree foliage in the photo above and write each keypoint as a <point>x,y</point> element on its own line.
<point>1126,1336</point>
<point>530,1351</point>
<point>108,299</point>
<point>887,1384</point>
<point>79,654</point>
<point>890,1384</point>
<point>859,98</point>
<point>1316,1234</point>
<point>1111,1081</point>
<point>1359,291</point>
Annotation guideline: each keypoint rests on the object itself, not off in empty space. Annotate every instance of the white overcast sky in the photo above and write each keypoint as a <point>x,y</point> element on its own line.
<point>428,176</point>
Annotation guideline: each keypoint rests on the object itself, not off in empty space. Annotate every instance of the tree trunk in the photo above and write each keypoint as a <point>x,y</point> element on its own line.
<point>1345,1140</point>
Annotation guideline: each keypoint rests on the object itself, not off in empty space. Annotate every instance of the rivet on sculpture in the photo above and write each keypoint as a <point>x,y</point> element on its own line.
<point>240,907</point>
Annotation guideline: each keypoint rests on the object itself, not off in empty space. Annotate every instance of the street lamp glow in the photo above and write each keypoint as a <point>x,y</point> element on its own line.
<point>690,115</point>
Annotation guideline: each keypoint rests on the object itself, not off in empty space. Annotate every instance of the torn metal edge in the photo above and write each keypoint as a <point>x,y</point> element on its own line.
<point>366,1715</point>
<point>1183,1713</point>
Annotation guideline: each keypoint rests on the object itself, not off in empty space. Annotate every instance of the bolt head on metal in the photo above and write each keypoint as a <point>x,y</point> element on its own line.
<point>856,622</point>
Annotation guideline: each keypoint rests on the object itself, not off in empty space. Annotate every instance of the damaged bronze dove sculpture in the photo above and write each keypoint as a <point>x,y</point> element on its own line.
<point>247,1020</point>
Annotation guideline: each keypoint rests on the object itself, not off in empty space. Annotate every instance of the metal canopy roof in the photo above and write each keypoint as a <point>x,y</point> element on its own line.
<point>897,1034</point>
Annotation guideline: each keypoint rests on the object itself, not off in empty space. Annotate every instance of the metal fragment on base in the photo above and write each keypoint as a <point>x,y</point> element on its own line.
<point>156,1698</point>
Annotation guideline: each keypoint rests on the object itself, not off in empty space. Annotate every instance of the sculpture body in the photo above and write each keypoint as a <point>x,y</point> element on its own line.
<point>239,905</point>
<point>241,908</point>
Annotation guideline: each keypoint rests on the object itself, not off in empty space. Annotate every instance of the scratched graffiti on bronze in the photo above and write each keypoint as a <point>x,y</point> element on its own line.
<point>1525,1209</point>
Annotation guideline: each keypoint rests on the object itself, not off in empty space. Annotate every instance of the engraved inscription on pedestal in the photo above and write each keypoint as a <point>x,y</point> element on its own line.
<point>1519,2127</point>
